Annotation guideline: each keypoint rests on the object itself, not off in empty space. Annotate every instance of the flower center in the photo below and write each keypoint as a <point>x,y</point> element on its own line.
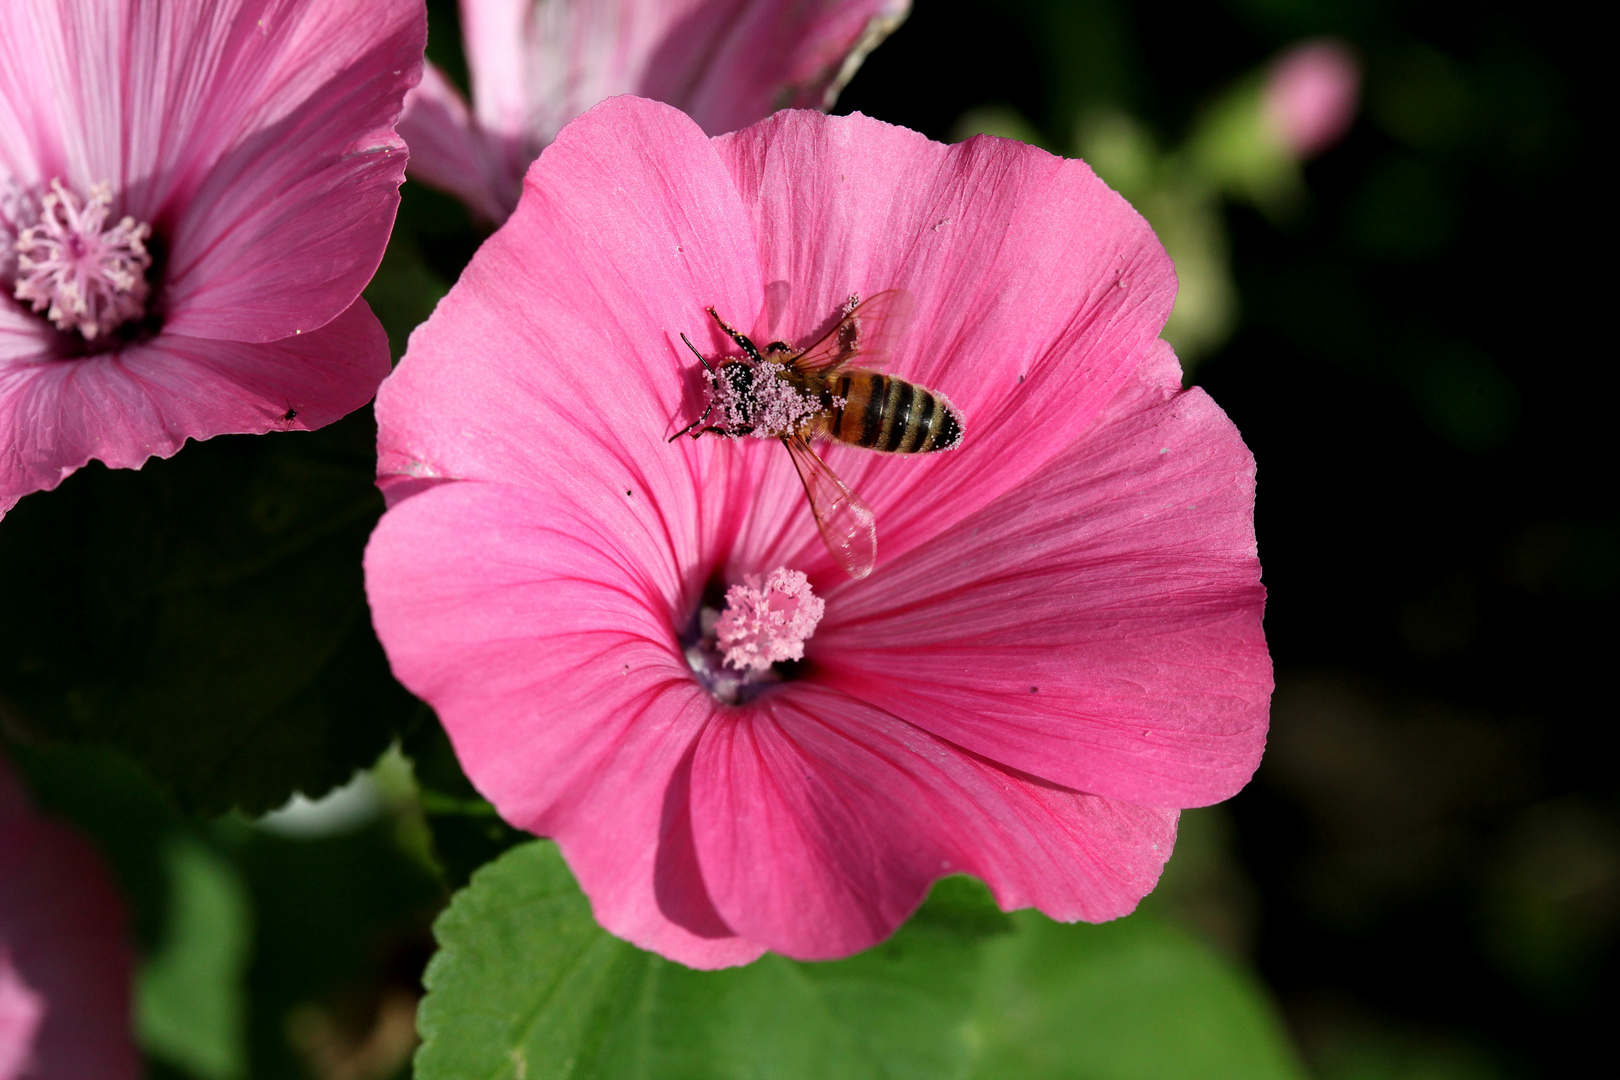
<point>767,619</point>
<point>84,276</point>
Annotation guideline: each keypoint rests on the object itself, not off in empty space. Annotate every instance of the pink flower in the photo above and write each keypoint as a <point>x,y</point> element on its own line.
<point>192,195</point>
<point>1060,644</point>
<point>535,66</point>
<point>64,958</point>
<point>1310,96</point>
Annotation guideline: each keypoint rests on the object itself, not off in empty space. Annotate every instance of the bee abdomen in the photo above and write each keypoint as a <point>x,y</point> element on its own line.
<point>892,415</point>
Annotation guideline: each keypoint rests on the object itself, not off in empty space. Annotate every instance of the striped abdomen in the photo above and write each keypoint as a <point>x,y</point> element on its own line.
<point>888,414</point>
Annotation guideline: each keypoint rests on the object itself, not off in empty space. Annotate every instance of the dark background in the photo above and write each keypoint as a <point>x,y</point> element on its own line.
<point>1426,868</point>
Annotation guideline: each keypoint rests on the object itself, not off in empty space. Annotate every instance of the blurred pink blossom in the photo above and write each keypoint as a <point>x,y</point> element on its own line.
<point>64,958</point>
<point>537,64</point>
<point>21,1013</point>
<point>192,195</point>
<point>1311,95</point>
<point>1061,643</point>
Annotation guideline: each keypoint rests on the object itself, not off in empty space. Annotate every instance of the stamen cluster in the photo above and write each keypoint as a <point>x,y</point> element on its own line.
<point>766,620</point>
<point>84,276</point>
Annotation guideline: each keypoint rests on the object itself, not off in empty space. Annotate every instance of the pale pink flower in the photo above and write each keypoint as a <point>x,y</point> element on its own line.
<point>192,195</point>
<point>1061,642</point>
<point>64,956</point>
<point>1311,94</point>
<point>537,64</point>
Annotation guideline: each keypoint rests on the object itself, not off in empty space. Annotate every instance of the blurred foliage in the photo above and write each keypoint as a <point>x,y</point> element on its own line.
<point>191,996</point>
<point>465,831</point>
<point>1229,152</point>
<point>263,956</point>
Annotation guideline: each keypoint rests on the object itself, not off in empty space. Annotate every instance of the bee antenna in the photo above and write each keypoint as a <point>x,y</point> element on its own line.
<point>701,358</point>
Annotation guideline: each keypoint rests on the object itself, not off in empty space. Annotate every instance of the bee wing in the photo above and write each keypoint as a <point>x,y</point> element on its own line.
<point>866,330</point>
<point>847,524</point>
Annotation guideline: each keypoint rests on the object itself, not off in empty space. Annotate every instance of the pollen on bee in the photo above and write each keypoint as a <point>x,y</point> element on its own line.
<point>766,402</point>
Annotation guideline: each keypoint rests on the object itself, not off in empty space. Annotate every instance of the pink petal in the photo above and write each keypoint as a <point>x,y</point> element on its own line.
<point>23,335</point>
<point>574,310</point>
<point>820,822</point>
<point>292,218</point>
<point>22,1012</point>
<point>729,66</point>
<point>534,68</point>
<point>1035,292</point>
<point>145,401</point>
<point>540,634</point>
<point>1099,626</point>
<point>498,38</point>
<point>451,152</point>
<point>62,932</point>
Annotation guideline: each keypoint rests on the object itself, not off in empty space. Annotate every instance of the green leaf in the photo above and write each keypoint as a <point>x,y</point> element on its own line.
<point>1135,999</point>
<point>527,986</point>
<point>191,1002</point>
<point>205,615</point>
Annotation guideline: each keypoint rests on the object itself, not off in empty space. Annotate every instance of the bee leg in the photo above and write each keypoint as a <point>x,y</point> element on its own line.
<point>741,339</point>
<point>694,424</point>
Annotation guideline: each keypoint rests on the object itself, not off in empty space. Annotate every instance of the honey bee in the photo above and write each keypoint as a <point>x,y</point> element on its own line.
<point>813,393</point>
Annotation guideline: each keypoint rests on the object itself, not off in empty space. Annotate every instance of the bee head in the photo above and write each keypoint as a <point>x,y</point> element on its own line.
<point>733,393</point>
<point>739,377</point>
